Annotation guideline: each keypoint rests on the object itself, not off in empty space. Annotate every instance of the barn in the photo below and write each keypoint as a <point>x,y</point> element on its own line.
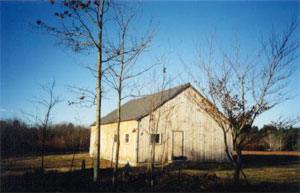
<point>167,120</point>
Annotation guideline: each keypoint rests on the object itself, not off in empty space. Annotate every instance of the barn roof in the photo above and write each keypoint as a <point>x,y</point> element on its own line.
<point>139,108</point>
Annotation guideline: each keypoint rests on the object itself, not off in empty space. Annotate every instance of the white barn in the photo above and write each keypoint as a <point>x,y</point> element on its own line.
<point>172,121</point>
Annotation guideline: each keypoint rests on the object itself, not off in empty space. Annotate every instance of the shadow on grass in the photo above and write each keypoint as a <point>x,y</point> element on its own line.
<point>249,161</point>
<point>136,181</point>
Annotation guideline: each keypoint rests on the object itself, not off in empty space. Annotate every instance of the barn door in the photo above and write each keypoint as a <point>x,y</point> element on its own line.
<point>177,147</point>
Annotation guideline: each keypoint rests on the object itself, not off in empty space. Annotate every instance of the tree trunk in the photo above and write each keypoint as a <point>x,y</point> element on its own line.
<point>152,160</point>
<point>43,149</point>
<point>99,97</point>
<point>119,89</point>
<point>237,166</point>
<point>152,165</point>
<point>114,178</point>
<point>98,117</point>
<point>280,139</point>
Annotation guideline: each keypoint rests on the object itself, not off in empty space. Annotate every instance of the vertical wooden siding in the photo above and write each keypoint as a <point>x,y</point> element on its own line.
<point>203,139</point>
<point>108,147</point>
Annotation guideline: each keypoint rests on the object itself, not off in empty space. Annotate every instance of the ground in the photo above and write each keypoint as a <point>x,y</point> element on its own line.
<point>62,163</point>
<point>22,174</point>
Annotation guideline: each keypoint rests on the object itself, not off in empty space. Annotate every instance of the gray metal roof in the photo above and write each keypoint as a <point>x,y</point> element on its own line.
<point>139,108</point>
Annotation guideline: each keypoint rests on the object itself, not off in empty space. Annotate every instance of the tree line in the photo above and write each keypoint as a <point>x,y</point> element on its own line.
<point>19,138</point>
<point>275,139</point>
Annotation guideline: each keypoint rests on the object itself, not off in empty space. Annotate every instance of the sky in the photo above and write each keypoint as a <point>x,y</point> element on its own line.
<point>30,57</point>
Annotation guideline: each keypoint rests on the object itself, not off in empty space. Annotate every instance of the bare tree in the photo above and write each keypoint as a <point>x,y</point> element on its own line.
<point>240,88</point>
<point>46,103</point>
<point>122,68</point>
<point>158,91</point>
<point>277,139</point>
<point>271,138</point>
<point>79,27</point>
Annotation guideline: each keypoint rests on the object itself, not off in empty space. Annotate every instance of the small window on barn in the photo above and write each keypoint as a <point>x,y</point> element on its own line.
<point>115,138</point>
<point>126,138</point>
<point>155,138</point>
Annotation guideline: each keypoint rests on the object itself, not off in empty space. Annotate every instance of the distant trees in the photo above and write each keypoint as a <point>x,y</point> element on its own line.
<point>281,135</point>
<point>20,139</point>
<point>242,88</point>
<point>293,139</point>
<point>271,139</point>
<point>66,136</point>
<point>258,144</point>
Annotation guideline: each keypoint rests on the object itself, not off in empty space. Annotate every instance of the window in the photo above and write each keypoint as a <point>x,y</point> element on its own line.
<point>126,138</point>
<point>155,138</point>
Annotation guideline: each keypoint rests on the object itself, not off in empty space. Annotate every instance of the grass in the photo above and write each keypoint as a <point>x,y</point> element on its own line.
<point>263,176</point>
<point>62,163</point>
<point>287,173</point>
<point>274,174</point>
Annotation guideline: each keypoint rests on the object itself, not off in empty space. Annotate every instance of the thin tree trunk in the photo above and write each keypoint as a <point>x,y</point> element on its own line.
<point>163,157</point>
<point>114,178</point>
<point>98,117</point>
<point>280,139</point>
<point>152,164</point>
<point>112,155</point>
<point>43,150</point>
<point>238,167</point>
<point>98,121</point>
<point>76,148</point>
<point>120,89</point>
<point>72,163</point>
<point>99,97</point>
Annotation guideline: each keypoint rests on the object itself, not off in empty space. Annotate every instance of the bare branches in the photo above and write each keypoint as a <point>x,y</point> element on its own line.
<point>87,97</point>
<point>126,50</point>
<point>123,54</point>
<point>75,26</point>
<point>281,53</point>
<point>159,114</point>
<point>243,87</point>
<point>80,27</point>
<point>46,101</point>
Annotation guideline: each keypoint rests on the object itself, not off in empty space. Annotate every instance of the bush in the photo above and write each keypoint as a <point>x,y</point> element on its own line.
<point>296,147</point>
<point>256,146</point>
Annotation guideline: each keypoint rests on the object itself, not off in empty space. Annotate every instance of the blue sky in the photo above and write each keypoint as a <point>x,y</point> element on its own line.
<point>30,57</point>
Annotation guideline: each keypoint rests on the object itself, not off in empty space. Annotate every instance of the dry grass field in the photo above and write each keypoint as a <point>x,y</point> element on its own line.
<point>283,176</point>
<point>289,173</point>
<point>62,163</point>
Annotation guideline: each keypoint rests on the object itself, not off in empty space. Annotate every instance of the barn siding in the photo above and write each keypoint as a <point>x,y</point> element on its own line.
<point>203,139</point>
<point>108,147</point>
